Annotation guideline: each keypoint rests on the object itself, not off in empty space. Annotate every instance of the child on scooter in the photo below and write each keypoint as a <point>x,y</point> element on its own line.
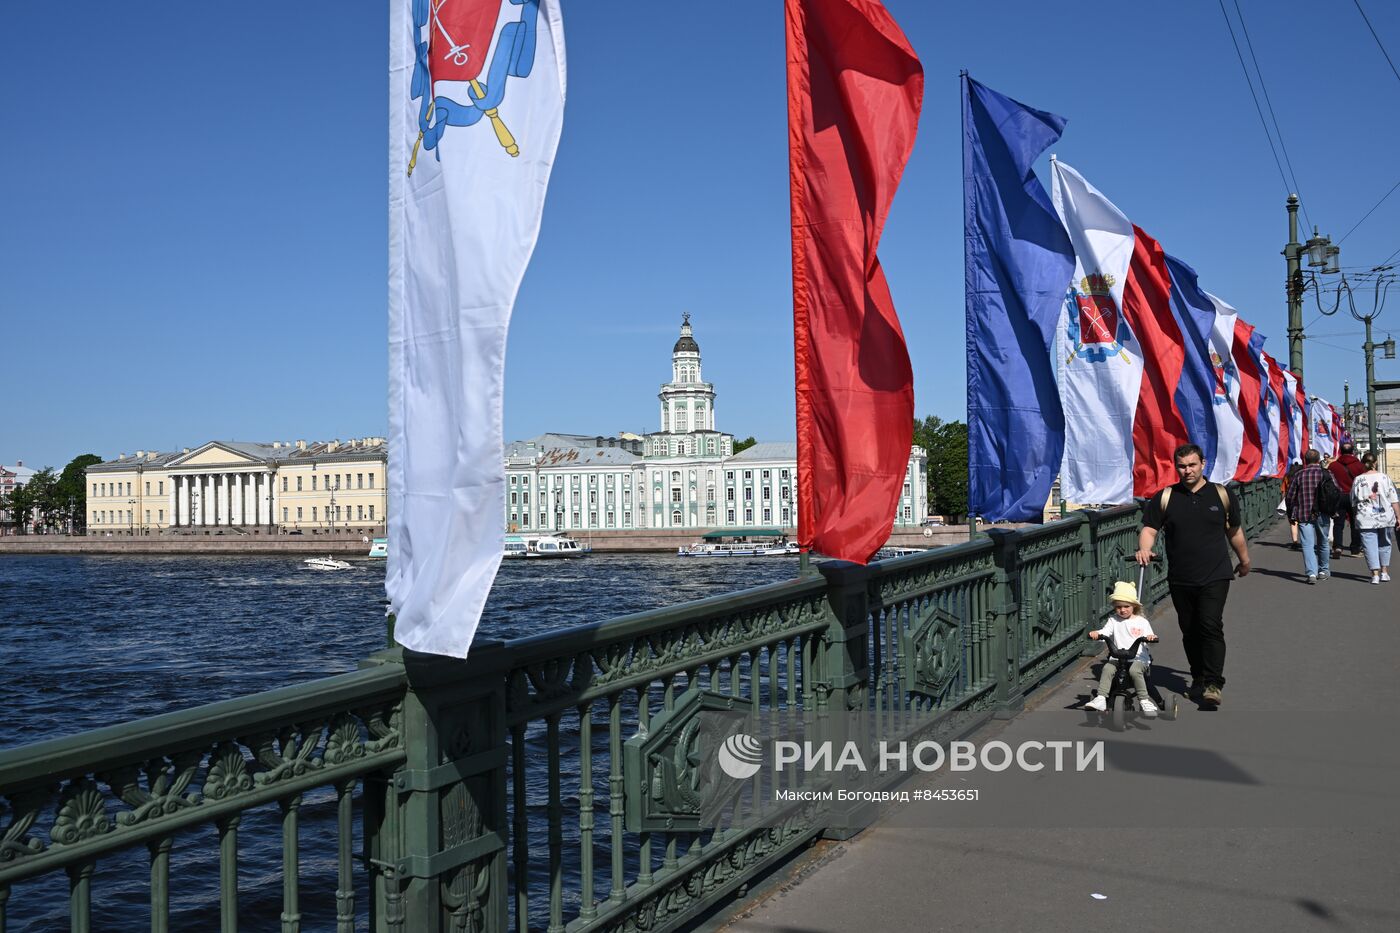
<point>1126,625</point>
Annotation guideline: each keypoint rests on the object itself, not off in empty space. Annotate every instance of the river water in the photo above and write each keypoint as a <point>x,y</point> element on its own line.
<point>91,641</point>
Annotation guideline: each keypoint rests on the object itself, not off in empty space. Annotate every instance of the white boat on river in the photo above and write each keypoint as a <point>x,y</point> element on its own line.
<point>540,547</point>
<point>747,542</point>
<point>327,563</point>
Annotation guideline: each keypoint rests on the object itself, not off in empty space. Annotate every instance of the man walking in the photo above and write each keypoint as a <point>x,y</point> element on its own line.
<point>1313,521</point>
<point>1345,469</point>
<point>1202,522</point>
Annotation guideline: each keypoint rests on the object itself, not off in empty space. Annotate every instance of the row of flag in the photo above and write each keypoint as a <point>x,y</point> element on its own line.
<point>1092,353</point>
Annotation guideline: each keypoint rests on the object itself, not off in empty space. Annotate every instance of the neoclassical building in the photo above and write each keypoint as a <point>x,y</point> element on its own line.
<point>684,476</point>
<point>244,487</point>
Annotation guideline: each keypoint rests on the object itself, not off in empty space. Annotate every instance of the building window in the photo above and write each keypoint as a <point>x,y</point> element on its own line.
<point>161,516</point>
<point>748,493</point>
<point>675,476</point>
<point>525,498</point>
<point>360,513</point>
<point>748,516</point>
<point>729,494</point>
<point>94,489</point>
<point>576,521</point>
<point>766,474</point>
<point>612,519</point>
<point>359,481</point>
<point>313,482</point>
<point>371,513</point>
<point>787,517</point>
<point>160,488</point>
<point>371,481</point>
<point>148,516</point>
<point>525,519</point>
<point>298,484</point>
<point>676,517</point>
<point>906,489</point>
<point>515,498</point>
<point>767,493</point>
<point>313,513</point>
<point>710,494</point>
<point>284,515</point>
<point>729,516</point>
<point>592,519</point>
<point>284,484</point>
<point>748,476</point>
<point>675,495</point>
<point>783,475</point>
<point>148,490</point>
<point>298,513</point>
<point>767,516</point>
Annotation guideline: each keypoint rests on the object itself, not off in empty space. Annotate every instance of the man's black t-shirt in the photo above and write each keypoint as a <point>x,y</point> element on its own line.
<point>1198,543</point>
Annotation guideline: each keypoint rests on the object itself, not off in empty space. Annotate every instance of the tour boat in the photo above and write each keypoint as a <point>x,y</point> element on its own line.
<point>533,547</point>
<point>379,547</point>
<point>748,542</point>
<point>327,563</point>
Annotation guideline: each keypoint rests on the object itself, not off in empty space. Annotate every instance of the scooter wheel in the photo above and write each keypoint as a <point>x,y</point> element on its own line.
<point>1170,712</point>
<point>1116,717</point>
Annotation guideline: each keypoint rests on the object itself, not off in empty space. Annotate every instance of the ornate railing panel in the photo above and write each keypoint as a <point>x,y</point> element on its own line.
<point>70,804</point>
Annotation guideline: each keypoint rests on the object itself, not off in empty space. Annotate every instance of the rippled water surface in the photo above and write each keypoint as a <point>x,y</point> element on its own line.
<point>92,641</point>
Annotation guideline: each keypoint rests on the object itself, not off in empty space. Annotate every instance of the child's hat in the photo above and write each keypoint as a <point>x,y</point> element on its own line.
<point>1124,592</point>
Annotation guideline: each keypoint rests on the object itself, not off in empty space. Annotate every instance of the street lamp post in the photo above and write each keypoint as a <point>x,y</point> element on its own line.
<point>1383,281</point>
<point>1320,253</point>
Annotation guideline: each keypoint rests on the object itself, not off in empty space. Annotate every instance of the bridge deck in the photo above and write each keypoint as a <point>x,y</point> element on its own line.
<point>1322,659</point>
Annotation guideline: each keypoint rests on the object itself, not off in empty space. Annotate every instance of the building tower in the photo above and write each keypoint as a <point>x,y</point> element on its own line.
<point>687,401</point>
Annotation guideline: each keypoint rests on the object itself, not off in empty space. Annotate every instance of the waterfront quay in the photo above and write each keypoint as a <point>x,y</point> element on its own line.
<point>541,783</point>
<point>658,540</point>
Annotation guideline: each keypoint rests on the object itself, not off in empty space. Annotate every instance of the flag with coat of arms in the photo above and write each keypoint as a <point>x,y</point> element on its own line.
<point>476,109</point>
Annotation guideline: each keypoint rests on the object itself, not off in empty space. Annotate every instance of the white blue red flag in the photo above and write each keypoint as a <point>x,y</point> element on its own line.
<point>1226,397</point>
<point>476,109</point>
<point>1321,419</point>
<point>1297,417</point>
<point>1100,361</point>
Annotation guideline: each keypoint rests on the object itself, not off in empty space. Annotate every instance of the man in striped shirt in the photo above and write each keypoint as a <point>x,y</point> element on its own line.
<point>1314,528</point>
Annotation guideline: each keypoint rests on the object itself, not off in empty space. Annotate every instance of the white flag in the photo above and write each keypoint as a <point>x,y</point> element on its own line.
<point>1322,427</point>
<point>1100,362</point>
<point>1297,418</point>
<point>476,106</point>
<point>1229,426</point>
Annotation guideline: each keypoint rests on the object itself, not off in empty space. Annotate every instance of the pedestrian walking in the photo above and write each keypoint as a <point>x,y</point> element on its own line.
<point>1309,486</point>
<point>1377,509</point>
<point>1283,503</point>
<point>1344,471</point>
<point>1202,523</point>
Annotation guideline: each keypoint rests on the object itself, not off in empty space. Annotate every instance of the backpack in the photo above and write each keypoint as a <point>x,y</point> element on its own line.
<point>1224,501</point>
<point>1329,495</point>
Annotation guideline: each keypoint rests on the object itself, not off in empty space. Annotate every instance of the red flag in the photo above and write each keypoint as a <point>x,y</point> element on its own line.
<point>1158,429</point>
<point>855,88</point>
<point>1252,454</point>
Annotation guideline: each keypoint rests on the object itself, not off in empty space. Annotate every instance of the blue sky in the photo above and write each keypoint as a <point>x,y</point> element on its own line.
<point>192,206</point>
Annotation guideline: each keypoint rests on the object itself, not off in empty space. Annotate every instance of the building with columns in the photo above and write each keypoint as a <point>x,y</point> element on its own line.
<point>252,488</point>
<point>684,476</point>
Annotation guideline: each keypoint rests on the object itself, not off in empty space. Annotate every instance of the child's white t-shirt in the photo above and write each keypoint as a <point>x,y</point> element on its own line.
<point>1122,632</point>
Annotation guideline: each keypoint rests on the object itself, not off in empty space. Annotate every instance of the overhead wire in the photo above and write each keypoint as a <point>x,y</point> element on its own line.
<point>1367,20</point>
<point>1260,110</point>
<point>1369,213</point>
<point>1264,87</point>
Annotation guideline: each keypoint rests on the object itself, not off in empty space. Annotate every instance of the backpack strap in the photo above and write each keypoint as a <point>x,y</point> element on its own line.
<point>1166,498</point>
<point>1224,502</point>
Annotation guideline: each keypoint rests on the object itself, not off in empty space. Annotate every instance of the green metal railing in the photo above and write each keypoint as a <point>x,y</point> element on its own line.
<point>544,783</point>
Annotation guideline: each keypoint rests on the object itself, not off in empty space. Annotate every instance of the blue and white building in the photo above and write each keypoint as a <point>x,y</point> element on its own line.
<point>684,476</point>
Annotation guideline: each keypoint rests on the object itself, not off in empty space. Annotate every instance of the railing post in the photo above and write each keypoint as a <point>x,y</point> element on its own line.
<point>1006,622</point>
<point>450,797</point>
<point>844,674</point>
<point>1090,578</point>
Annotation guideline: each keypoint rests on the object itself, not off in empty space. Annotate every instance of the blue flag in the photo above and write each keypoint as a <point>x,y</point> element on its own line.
<point>1019,263</point>
<point>1196,391</point>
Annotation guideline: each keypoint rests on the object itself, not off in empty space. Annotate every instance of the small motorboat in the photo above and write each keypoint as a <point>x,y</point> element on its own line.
<point>379,547</point>
<point>327,563</point>
<point>533,547</point>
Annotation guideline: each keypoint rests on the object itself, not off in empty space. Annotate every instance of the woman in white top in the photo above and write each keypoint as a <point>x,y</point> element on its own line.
<point>1377,512</point>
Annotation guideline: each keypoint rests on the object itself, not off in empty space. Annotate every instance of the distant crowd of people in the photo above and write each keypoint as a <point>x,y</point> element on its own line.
<point>1324,496</point>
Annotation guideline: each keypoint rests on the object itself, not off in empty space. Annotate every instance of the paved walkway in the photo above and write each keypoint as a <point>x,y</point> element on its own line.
<point>1302,809</point>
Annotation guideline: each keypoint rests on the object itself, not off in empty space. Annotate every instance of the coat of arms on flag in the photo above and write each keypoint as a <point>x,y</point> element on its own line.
<point>1224,378</point>
<point>1096,326</point>
<point>453,41</point>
